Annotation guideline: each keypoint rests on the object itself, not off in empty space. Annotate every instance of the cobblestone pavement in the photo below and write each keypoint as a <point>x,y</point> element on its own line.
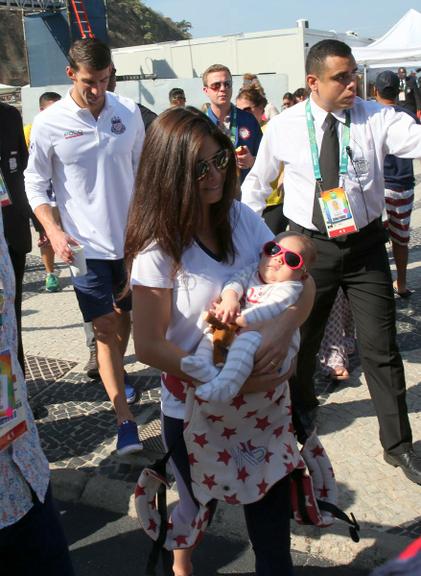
<point>77,425</point>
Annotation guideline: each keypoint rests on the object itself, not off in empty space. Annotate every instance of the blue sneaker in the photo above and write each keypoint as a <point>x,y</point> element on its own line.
<point>128,439</point>
<point>131,392</point>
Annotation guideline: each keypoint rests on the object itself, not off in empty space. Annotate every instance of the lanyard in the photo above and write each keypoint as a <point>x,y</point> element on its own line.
<point>343,162</point>
<point>233,124</point>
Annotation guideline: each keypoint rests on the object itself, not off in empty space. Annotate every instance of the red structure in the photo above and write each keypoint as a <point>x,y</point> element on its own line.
<point>81,18</point>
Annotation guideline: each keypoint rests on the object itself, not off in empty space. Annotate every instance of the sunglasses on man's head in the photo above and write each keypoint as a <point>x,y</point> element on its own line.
<point>293,260</point>
<point>219,160</point>
<point>215,86</point>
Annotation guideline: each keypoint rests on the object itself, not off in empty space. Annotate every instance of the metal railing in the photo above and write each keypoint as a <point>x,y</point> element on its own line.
<point>43,5</point>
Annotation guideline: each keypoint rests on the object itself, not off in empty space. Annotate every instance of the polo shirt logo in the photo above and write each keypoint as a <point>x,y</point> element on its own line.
<point>73,134</point>
<point>244,133</point>
<point>117,126</point>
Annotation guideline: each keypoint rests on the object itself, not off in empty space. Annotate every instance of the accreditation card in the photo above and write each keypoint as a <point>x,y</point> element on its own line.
<point>4,193</point>
<point>337,213</point>
<point>12,413</point>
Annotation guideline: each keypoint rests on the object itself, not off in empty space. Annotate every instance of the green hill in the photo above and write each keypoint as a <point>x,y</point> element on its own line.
<point>130,23</point>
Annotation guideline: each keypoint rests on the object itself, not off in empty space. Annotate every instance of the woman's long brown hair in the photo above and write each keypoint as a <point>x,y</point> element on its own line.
<point>166,205</point>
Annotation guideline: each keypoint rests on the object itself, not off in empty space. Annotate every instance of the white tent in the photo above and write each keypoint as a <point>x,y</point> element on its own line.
<point>400,46</point>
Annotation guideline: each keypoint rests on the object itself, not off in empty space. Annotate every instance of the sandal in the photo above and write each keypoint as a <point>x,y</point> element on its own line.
<point>405,294</point>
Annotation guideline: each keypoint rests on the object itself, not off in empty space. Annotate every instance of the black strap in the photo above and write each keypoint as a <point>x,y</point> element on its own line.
<point>297,475</point>
<point>300,431</point>
<point>158,549</point>
<point>354,527</point>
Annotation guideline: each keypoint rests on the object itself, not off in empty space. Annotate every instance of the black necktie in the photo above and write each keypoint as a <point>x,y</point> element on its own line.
<point>329,168</point>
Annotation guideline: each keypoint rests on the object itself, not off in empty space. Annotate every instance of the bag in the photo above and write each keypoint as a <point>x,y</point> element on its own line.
<point>151,509</point>
<point>313,499</point>
<point>314,491</point>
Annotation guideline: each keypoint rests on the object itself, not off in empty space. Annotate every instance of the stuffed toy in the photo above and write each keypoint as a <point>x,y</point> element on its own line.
<point>222,335</point>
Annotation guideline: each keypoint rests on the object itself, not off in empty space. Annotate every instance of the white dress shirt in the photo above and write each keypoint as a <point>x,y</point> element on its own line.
<point>375,131</point>
<point>92,165</point>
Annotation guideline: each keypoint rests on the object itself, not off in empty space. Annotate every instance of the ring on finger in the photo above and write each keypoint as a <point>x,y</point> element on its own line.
<point>272,363</point>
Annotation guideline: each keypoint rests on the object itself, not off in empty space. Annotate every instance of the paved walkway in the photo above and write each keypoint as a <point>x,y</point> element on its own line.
<point>78,430</point>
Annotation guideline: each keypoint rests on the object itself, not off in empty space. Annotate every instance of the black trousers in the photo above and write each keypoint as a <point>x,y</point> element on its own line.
<point>18,262</point>
<point>360,266</point>
<point>275,219</point>
<point>36,544</point>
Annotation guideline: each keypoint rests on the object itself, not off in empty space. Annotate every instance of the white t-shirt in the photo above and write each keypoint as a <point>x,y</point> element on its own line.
<point>198,283</point>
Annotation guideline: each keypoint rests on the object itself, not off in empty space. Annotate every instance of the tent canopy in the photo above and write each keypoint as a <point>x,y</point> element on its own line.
<point>400,46</point>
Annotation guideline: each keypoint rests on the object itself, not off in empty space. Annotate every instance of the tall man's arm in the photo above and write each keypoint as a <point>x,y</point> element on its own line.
<point>38,176</point>
<point>256,187</point>
<point>403,134</point>
<point>417,95</point>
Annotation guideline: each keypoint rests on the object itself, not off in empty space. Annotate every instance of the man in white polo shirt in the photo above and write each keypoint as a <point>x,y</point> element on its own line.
<point>89,146</point>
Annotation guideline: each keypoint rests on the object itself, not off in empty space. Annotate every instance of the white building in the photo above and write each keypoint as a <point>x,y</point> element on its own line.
<point>277,56</point>
<point>147,73</point>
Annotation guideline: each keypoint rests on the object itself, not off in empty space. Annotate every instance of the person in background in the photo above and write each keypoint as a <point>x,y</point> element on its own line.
<point>45,100</point>
<point>52,283</point>
<point>93,183</point>
<point>399,185</point>
<point>177,97</point>
<point>252,81</point>
<point>251,100</point>
<point>339,340</point>
<point>16,214</point>
<point>241,127</point>
<point>300,95</point>
<point>408,563</point>
<point>32,542</point>
<point>112,82</point>
<point>409,96</point>
<point>288,100</point>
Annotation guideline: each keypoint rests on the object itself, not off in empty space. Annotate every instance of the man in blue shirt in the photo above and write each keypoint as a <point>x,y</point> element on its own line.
<point>240,126</point>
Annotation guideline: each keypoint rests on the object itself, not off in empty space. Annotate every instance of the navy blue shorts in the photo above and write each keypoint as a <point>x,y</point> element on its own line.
<point>99,291</point>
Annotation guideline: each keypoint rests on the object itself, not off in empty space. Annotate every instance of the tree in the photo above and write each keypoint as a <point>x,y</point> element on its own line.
<point>184,26</point>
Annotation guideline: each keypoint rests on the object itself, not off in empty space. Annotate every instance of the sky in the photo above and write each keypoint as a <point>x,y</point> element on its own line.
<point>369,18</point>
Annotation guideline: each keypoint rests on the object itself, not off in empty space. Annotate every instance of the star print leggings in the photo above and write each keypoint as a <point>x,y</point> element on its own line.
<point>267,520</point>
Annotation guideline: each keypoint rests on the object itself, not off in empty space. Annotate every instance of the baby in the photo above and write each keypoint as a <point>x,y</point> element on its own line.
<point>267,288</point>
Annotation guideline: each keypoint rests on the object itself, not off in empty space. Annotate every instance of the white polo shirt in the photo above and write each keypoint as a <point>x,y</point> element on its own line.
<point>375,131</point>
<point>92,165</point>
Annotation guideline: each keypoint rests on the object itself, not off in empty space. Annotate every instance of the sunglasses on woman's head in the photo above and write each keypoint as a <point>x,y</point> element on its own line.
<point>293,260</point>
<point>215,86</point>
<point>219,160</point>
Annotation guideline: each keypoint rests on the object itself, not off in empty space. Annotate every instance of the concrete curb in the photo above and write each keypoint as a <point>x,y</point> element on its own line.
<point>333,544</point>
